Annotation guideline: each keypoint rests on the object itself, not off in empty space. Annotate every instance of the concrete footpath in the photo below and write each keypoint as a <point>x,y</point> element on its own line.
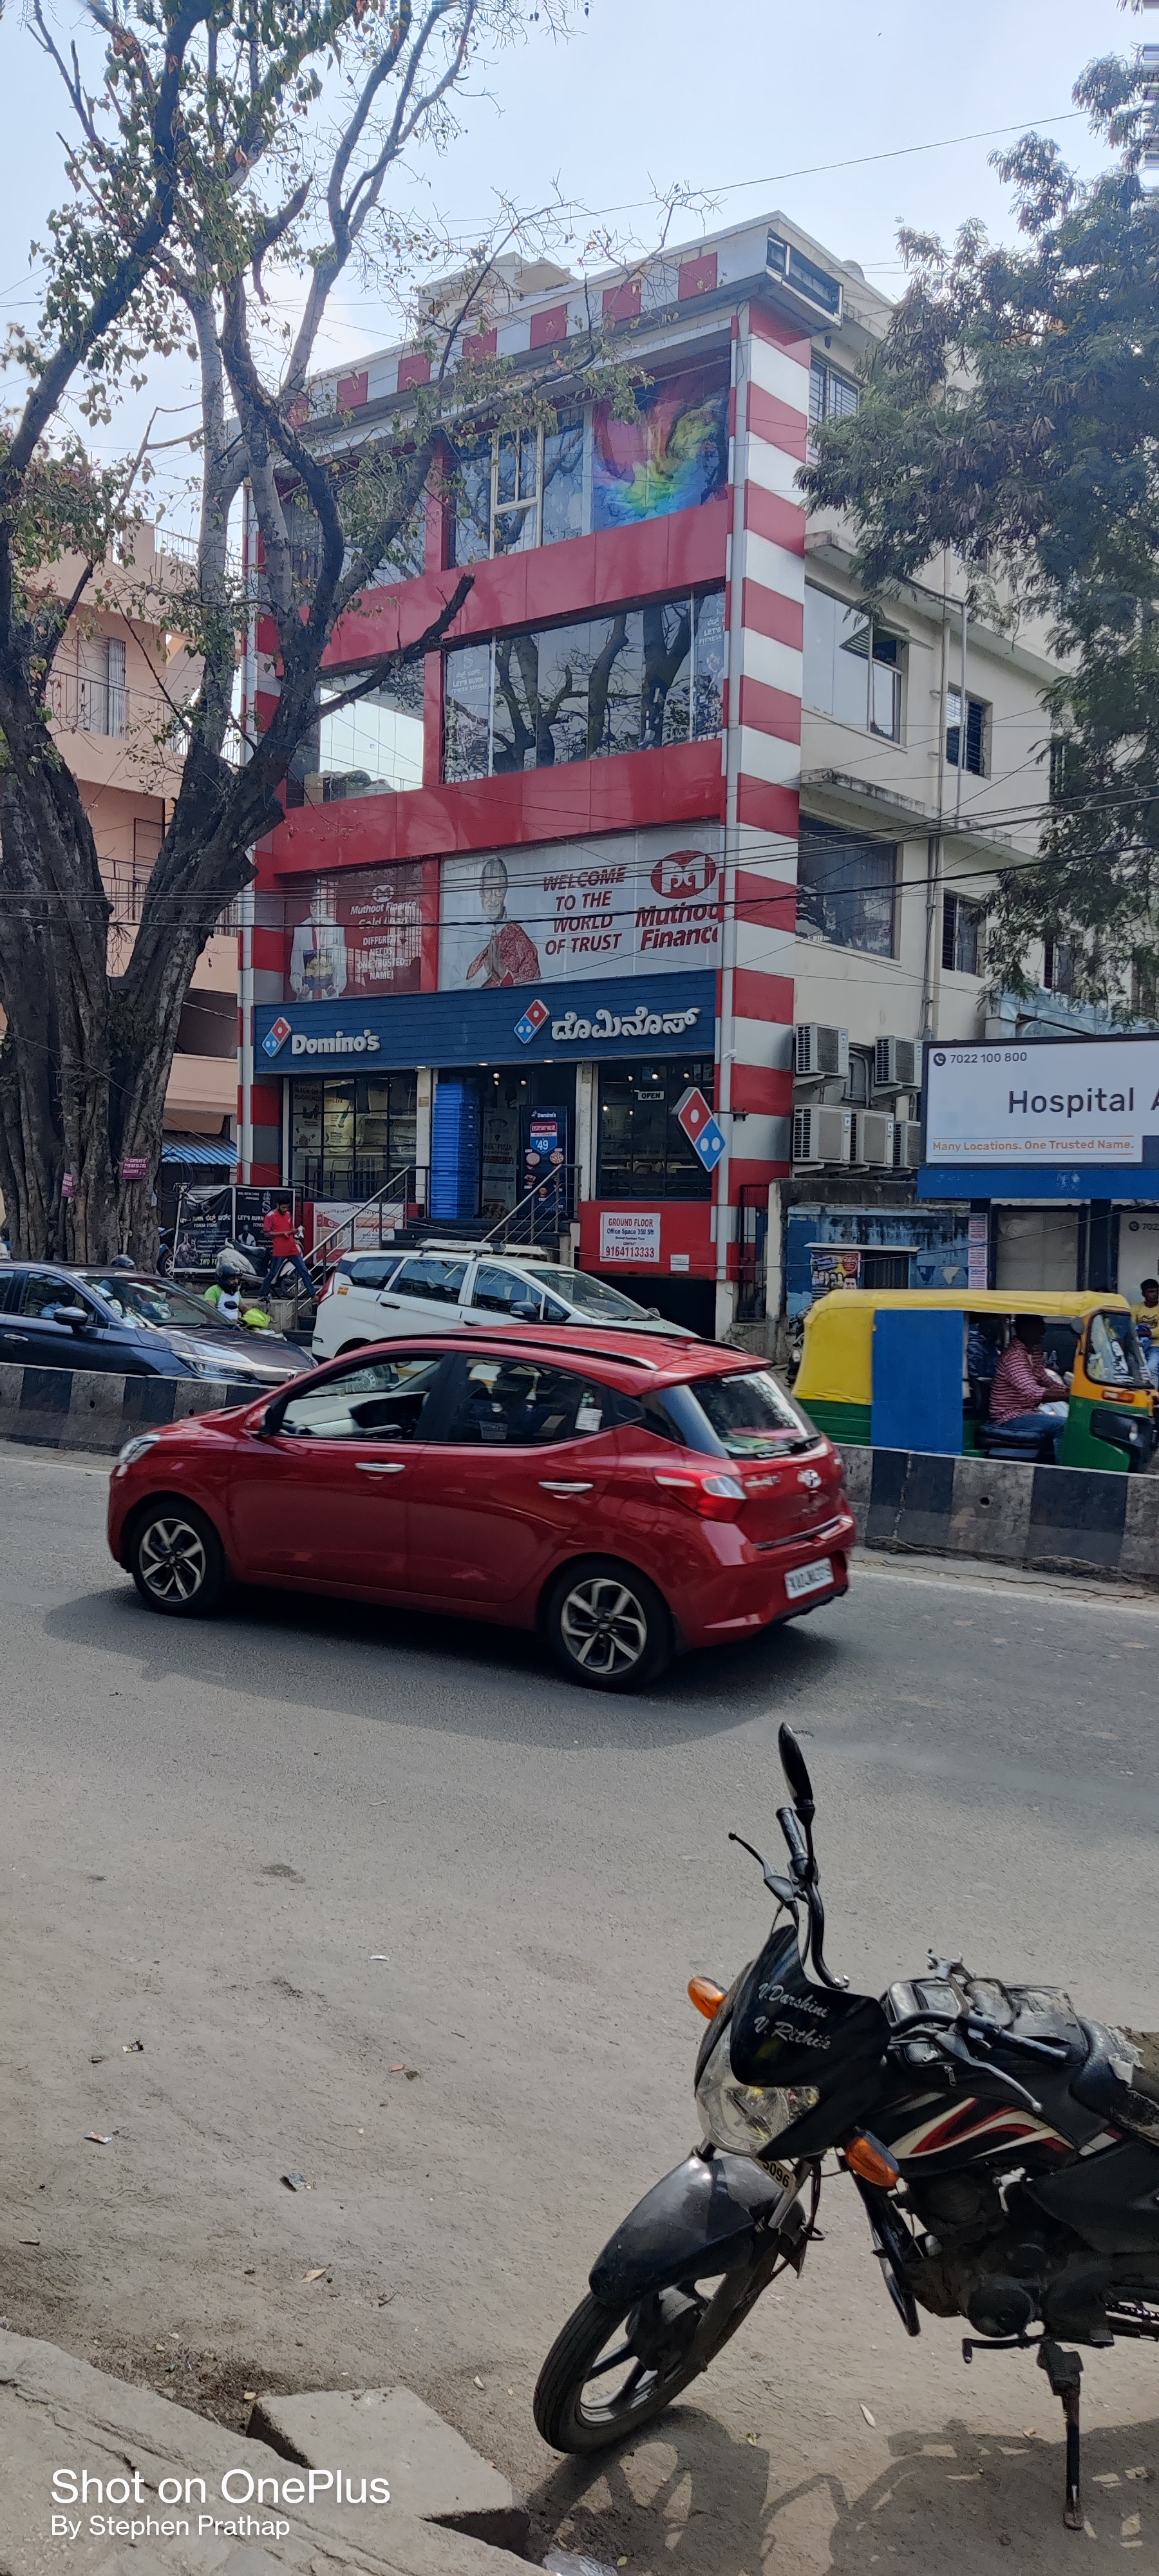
<point>62,2423</point>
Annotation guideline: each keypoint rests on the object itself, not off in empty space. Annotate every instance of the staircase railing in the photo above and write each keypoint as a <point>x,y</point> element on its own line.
<point>544,1211</point>
<point>393,1190</point>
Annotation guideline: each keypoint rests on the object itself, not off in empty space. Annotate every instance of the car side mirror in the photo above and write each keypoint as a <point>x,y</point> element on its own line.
<point>76,1316</point>
<point>527,1312</point>
<point>271,1421</point>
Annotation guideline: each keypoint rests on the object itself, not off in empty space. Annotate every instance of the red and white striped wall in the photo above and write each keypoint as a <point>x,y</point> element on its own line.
<point>762,752</point>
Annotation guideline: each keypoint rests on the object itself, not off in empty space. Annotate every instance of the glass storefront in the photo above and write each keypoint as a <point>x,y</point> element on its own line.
<point>351,1134</point>
<point>643,1152</point>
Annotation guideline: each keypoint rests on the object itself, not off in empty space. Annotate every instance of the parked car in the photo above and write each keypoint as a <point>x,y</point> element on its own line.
<point>371,1297</point>
<point>130,1322</point>
<point>627,1497</point>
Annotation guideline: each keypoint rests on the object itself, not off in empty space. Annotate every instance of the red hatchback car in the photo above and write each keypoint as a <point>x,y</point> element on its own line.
<point>627,1497</point>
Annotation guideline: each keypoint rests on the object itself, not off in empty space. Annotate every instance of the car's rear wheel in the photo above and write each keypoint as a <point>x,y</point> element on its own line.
<point>176,1559</point>
<point>608,1625</point>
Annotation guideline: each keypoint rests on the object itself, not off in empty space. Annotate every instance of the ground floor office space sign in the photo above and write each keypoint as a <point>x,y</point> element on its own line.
<point>1072,1102</point>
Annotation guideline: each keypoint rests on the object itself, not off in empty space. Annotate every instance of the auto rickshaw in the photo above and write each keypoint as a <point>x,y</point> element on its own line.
<point>912,1369</point>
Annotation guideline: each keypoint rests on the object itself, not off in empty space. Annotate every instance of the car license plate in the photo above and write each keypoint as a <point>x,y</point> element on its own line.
<point>809,1578</point>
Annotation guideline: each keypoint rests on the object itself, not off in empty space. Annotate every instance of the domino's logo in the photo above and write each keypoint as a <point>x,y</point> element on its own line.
<point>531,1023</point>
<point>275,1038</point>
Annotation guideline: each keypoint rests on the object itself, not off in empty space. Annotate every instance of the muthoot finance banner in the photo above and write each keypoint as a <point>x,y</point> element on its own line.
<point>581,908</point>
<point>1093,1100</point>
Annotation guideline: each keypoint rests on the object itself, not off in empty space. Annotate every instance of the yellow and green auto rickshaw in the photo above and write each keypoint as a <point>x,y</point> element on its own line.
<point>912,1369</point>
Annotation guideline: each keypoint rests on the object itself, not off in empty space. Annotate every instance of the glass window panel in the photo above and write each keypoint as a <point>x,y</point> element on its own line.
<point>373,747</point>
<point>562,500</point>
<point>471,502</point>
<point>578,692</point>
<point>497,1290</point>
<point>614,655</point>
<point>846,889</point>
<point>885,684</point>
<point>522,1403</point>
<point>666,706</point>
<point>708,664</point>
<point>467,711</point>
<point>384,1400</point>
<point>843,398</point>
<point>642,1149</point>
<point>507,469</point>
<point>438,1281</point>
<point>817,391</point>
<point>516,529</point>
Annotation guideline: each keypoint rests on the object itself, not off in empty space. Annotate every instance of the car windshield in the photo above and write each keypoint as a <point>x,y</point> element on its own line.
<point>1113,1354</point>
<point>591,1296</point>
<point>749,1415</point>
<point>154,1303</point>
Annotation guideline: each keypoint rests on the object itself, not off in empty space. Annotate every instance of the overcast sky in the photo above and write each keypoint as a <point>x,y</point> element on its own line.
<point>741,98</point>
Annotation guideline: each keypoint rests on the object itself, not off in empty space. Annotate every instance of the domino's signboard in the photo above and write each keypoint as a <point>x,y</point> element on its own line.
<point>1073,1117</point>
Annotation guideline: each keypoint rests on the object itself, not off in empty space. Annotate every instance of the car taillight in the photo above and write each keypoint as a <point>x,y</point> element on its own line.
<point>714,1497</point>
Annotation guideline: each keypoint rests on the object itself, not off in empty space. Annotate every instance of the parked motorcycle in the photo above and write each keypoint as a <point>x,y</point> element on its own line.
<point>1025,2202</point>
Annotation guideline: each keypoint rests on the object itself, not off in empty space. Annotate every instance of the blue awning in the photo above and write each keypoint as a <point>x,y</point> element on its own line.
<point>213,1150</point>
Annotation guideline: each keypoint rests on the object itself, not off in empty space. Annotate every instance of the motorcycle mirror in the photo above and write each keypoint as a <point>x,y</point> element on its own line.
<point>796,1773</point>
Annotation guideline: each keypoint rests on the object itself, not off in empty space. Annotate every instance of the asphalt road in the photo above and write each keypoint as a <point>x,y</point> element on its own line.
<point>210,1834</point>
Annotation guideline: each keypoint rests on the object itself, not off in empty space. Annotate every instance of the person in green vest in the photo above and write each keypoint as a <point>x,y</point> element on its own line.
<point>226,1296</point>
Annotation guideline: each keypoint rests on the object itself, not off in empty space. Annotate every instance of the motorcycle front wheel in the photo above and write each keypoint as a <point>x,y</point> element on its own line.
<point>611,2370</point>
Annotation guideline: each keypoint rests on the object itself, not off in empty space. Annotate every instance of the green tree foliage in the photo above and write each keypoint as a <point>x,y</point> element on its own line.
<point>1012,414</point>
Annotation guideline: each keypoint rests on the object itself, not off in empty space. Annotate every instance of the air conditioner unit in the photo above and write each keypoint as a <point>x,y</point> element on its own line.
<point>907,1144</point>
<point>897,1064</point>
<point>874,1139</point>
<point>822,1135</point>
<point>821,1050</point>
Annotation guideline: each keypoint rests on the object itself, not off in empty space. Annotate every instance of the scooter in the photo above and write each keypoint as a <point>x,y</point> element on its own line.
<point>1006,2153</point>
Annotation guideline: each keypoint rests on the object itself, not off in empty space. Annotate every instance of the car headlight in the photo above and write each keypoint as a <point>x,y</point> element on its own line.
<point>136,1447</point>
<point>744,2119</point>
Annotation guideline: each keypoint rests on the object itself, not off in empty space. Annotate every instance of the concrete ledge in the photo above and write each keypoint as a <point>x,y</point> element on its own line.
<point>87,1409</point>
<point>434,2473</point>
<point>55,2409</point>
<point>1059,1520</point>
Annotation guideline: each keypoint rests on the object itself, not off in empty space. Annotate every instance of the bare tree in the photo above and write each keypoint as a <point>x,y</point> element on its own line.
<point>229,159</point>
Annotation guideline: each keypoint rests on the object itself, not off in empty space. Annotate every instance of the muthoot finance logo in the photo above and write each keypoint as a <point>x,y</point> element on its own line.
<point>683,874</point>
<point>127,2503</point>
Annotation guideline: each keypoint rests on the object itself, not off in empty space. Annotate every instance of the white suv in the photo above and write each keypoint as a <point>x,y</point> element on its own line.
<point>373,1296</point>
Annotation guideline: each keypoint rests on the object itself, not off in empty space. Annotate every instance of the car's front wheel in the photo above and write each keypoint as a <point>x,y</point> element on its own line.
<point>176,1559</point>
<point>608,1625</point>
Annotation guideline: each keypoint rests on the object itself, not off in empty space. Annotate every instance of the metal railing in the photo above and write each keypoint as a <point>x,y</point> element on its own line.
<point>395,1193</point>
<point>89,705</point>
<point>544,1212</point>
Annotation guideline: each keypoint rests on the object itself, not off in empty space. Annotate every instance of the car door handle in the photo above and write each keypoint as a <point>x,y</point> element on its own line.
<point>15,1337</point>
<point>551,1485</point>
<point>373,1467</point>
<point>389,1301</point>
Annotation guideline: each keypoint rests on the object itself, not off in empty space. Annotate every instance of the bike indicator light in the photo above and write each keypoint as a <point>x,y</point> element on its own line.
<point>866,2156</point>
<point>706,1996</point>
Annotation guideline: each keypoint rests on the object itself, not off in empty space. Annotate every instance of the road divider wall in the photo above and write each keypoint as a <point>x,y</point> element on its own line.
<point>1054,1520</point>
<point>87,1409</point>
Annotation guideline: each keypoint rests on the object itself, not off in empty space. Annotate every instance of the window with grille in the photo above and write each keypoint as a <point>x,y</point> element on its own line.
<point>977,727</point>
<point>962,926</point>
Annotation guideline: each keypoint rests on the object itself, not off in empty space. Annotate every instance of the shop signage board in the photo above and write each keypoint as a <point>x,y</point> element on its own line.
<point>631,1235</point>
<point>358,931</point>
<point>1071,1101</point>
<point>656,1011</point>
<point>581,911</point>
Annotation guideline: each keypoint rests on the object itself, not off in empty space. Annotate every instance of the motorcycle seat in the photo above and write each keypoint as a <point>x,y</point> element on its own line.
<point>1120,2079</point>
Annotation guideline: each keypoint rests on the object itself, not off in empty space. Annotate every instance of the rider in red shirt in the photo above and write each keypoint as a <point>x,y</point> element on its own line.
<point>278,1229</point>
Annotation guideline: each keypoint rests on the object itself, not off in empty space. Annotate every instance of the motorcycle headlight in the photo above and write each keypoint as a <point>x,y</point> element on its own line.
<point>744,2119</point>
<point>136,1447</point>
